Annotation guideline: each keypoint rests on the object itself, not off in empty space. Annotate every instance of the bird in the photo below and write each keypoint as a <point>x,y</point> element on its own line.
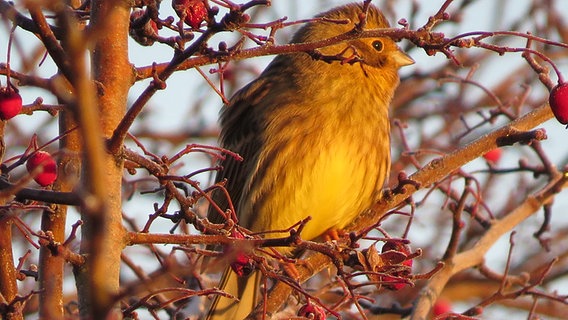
<point>314,135</point>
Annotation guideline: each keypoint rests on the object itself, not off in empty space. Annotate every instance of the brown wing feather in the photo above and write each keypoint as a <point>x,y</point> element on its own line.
<point>241,132</point>
<point>244,139</point>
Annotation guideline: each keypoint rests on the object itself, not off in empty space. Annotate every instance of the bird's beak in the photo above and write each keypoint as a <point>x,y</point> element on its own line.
<point>402,59</point>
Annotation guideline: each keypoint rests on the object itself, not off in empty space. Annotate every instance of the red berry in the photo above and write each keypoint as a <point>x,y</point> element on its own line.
<point>312,311</point>
<point>558,100</point>
<point>441,307</point>
<point>193,11</point>
<point>48,172</point>
<point>10,103</point>
<point>394,252</point>
<point>493,156</point>
<point>243,265</point>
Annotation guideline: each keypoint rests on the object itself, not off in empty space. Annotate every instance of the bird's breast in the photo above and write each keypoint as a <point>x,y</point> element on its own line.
<point>327,166</point>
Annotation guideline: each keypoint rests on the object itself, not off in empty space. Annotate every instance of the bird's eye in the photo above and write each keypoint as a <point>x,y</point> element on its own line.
<point>378,45</point>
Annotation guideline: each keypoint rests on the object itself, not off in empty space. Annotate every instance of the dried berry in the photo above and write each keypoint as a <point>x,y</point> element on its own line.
<point>10,103</point>
<point>192,11</point>
<point>391,245</point>
<point>394,252</point>
<point>47,173</point>
<point>395,282</point>
<point>558,100</point>
<point>142,29</point>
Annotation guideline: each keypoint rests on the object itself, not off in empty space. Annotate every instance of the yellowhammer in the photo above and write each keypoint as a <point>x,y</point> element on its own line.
<point>314,135</point>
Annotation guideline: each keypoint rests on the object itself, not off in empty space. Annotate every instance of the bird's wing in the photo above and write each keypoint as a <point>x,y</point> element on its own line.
<point>241,133</point>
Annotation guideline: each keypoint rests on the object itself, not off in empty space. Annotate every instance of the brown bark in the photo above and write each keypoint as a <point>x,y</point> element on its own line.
<point>103,234</point>
<point>51,274</point>
<point>8,285</point>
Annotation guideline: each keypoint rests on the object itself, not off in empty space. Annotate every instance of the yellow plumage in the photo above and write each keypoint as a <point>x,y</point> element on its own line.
<point>314,137</point>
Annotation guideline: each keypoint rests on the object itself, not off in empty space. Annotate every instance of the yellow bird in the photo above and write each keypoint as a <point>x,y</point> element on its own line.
<point>314,135</point>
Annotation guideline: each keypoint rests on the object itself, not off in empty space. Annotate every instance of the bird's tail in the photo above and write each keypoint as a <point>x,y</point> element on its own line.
<point>245,289</point>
